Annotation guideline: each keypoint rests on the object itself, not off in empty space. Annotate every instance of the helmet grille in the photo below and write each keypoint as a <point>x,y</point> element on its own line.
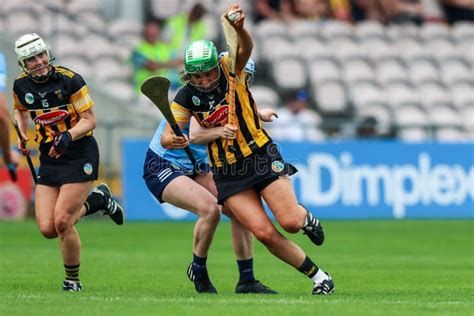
<point>206,52</point>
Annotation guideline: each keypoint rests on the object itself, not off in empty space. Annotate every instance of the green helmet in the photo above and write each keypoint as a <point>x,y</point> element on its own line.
<point>200,56</point>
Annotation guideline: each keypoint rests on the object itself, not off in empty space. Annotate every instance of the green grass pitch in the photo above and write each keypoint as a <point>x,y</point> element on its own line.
<point>379,267</point>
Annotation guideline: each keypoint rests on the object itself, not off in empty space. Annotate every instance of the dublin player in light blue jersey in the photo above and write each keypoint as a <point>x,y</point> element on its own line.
<point>171,178</point>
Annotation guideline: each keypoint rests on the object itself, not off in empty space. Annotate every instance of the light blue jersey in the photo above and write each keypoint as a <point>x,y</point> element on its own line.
<point>3,73</point>
<point>178,157</point>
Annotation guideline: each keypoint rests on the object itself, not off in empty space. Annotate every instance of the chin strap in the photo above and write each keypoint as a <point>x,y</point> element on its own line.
<point>42,78</point>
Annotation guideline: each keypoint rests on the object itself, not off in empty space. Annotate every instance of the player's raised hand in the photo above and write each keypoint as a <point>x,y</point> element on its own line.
<point>236,16</point>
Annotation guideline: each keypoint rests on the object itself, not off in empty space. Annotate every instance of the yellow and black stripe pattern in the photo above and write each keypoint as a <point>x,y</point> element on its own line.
<point>211,111</point>
<point>54,105</point>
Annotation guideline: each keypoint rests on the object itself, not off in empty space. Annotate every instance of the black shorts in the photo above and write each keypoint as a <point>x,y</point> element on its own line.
<point>80,163</point>
<point>256,171</point>
<point>159,172</point>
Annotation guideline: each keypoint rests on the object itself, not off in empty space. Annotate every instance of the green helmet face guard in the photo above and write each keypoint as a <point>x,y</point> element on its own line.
<point>200,56</point>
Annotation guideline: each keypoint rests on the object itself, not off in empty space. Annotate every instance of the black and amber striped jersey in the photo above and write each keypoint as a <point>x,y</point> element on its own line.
<point>211,109</point>
<point>54,105</point>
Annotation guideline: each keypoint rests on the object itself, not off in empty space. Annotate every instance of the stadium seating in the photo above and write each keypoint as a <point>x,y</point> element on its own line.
<point>265,97</point>
<point>369,30</point>
<point>331,97</point>
<point>462,95</point>
<point>423,72</point>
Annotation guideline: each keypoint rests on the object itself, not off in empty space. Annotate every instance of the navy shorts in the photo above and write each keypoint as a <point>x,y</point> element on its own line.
<point>159,172</point>
<point>80,163</point>
<point>254,172</point>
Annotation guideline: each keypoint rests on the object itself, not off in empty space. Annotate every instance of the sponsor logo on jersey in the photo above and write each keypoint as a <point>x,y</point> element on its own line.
<point>51,117</point>
<point>59,94</point>
<point>42,94</point>
<point>29,98</point>
<point>88,169</point>
<point>219,116</point>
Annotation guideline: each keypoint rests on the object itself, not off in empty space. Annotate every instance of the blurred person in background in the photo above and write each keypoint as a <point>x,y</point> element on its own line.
<point>314,10</point>
<point>283,10</point>
<point>155,57</point>
<point>367,10</point>
<point>396,11</point>
<point>57,100</point>
<point>170,177</point>
<point>367,128</point>
<point>10,158</point>
<point>341,10</point>
<point>186,27</point>
<point>296,120</point>
<point>403,11</point>
<point>254,169</point>
<point>458,10</point>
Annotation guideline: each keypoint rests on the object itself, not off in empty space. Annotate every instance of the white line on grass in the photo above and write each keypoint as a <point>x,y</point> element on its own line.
<point>238,299</point>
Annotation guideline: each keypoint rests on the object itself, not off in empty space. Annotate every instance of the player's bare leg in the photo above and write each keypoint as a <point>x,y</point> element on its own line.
<point>242,241</point>
<point>185,193</point>
<point>45,201</point>
<point>248,209</point>
<point>70,200</point>
<point>291,216</point>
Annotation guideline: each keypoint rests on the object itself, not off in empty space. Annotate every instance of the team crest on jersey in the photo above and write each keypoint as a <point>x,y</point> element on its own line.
<point>59,94</point>
<point>88,169</point>
<point>196,100</point>
<point>217,117</point>
<point>50,118</point>
<point>29,98</point>
<point>278,166</point>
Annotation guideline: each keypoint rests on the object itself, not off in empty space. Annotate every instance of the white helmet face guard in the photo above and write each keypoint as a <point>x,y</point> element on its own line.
<point>28,46</point>
<point>210,86</point>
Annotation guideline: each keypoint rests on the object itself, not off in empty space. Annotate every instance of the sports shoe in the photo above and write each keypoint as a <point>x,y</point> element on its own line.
<point>72,286</point>
<point>112,207</point>
<point>313,229</point>
<point>202,284</point>
<point>253,287</point>
<point>190,272</point>
<point>325,287</point>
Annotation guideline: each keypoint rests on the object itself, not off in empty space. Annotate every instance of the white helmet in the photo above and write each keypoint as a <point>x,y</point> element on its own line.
<point>30,45</point>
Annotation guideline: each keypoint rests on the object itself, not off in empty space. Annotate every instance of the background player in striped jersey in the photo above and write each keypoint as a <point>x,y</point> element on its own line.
<point>256,169</point>
<point>10,158</point>
<point>171,178</point>
<point>57,100</point>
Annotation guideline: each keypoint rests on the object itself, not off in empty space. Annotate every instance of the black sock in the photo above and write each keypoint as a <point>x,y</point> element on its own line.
<point>95,201</point>
<point>72,272</point>
<point>308,268</point>
<point>199,265</point>
<point>246,270</point>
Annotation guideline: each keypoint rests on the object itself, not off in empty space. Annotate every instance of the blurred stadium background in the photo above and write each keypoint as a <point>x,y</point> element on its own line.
<point>384,129</point>
<point>367,79</point>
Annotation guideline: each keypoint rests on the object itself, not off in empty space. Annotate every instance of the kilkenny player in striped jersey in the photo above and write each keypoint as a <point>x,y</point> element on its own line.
<point>171,177</point>
<point>10,157</point>
<point>58,102</point>
<point>256,169</point>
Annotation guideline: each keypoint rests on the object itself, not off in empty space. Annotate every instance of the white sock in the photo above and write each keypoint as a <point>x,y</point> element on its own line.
<point>319,277</point>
